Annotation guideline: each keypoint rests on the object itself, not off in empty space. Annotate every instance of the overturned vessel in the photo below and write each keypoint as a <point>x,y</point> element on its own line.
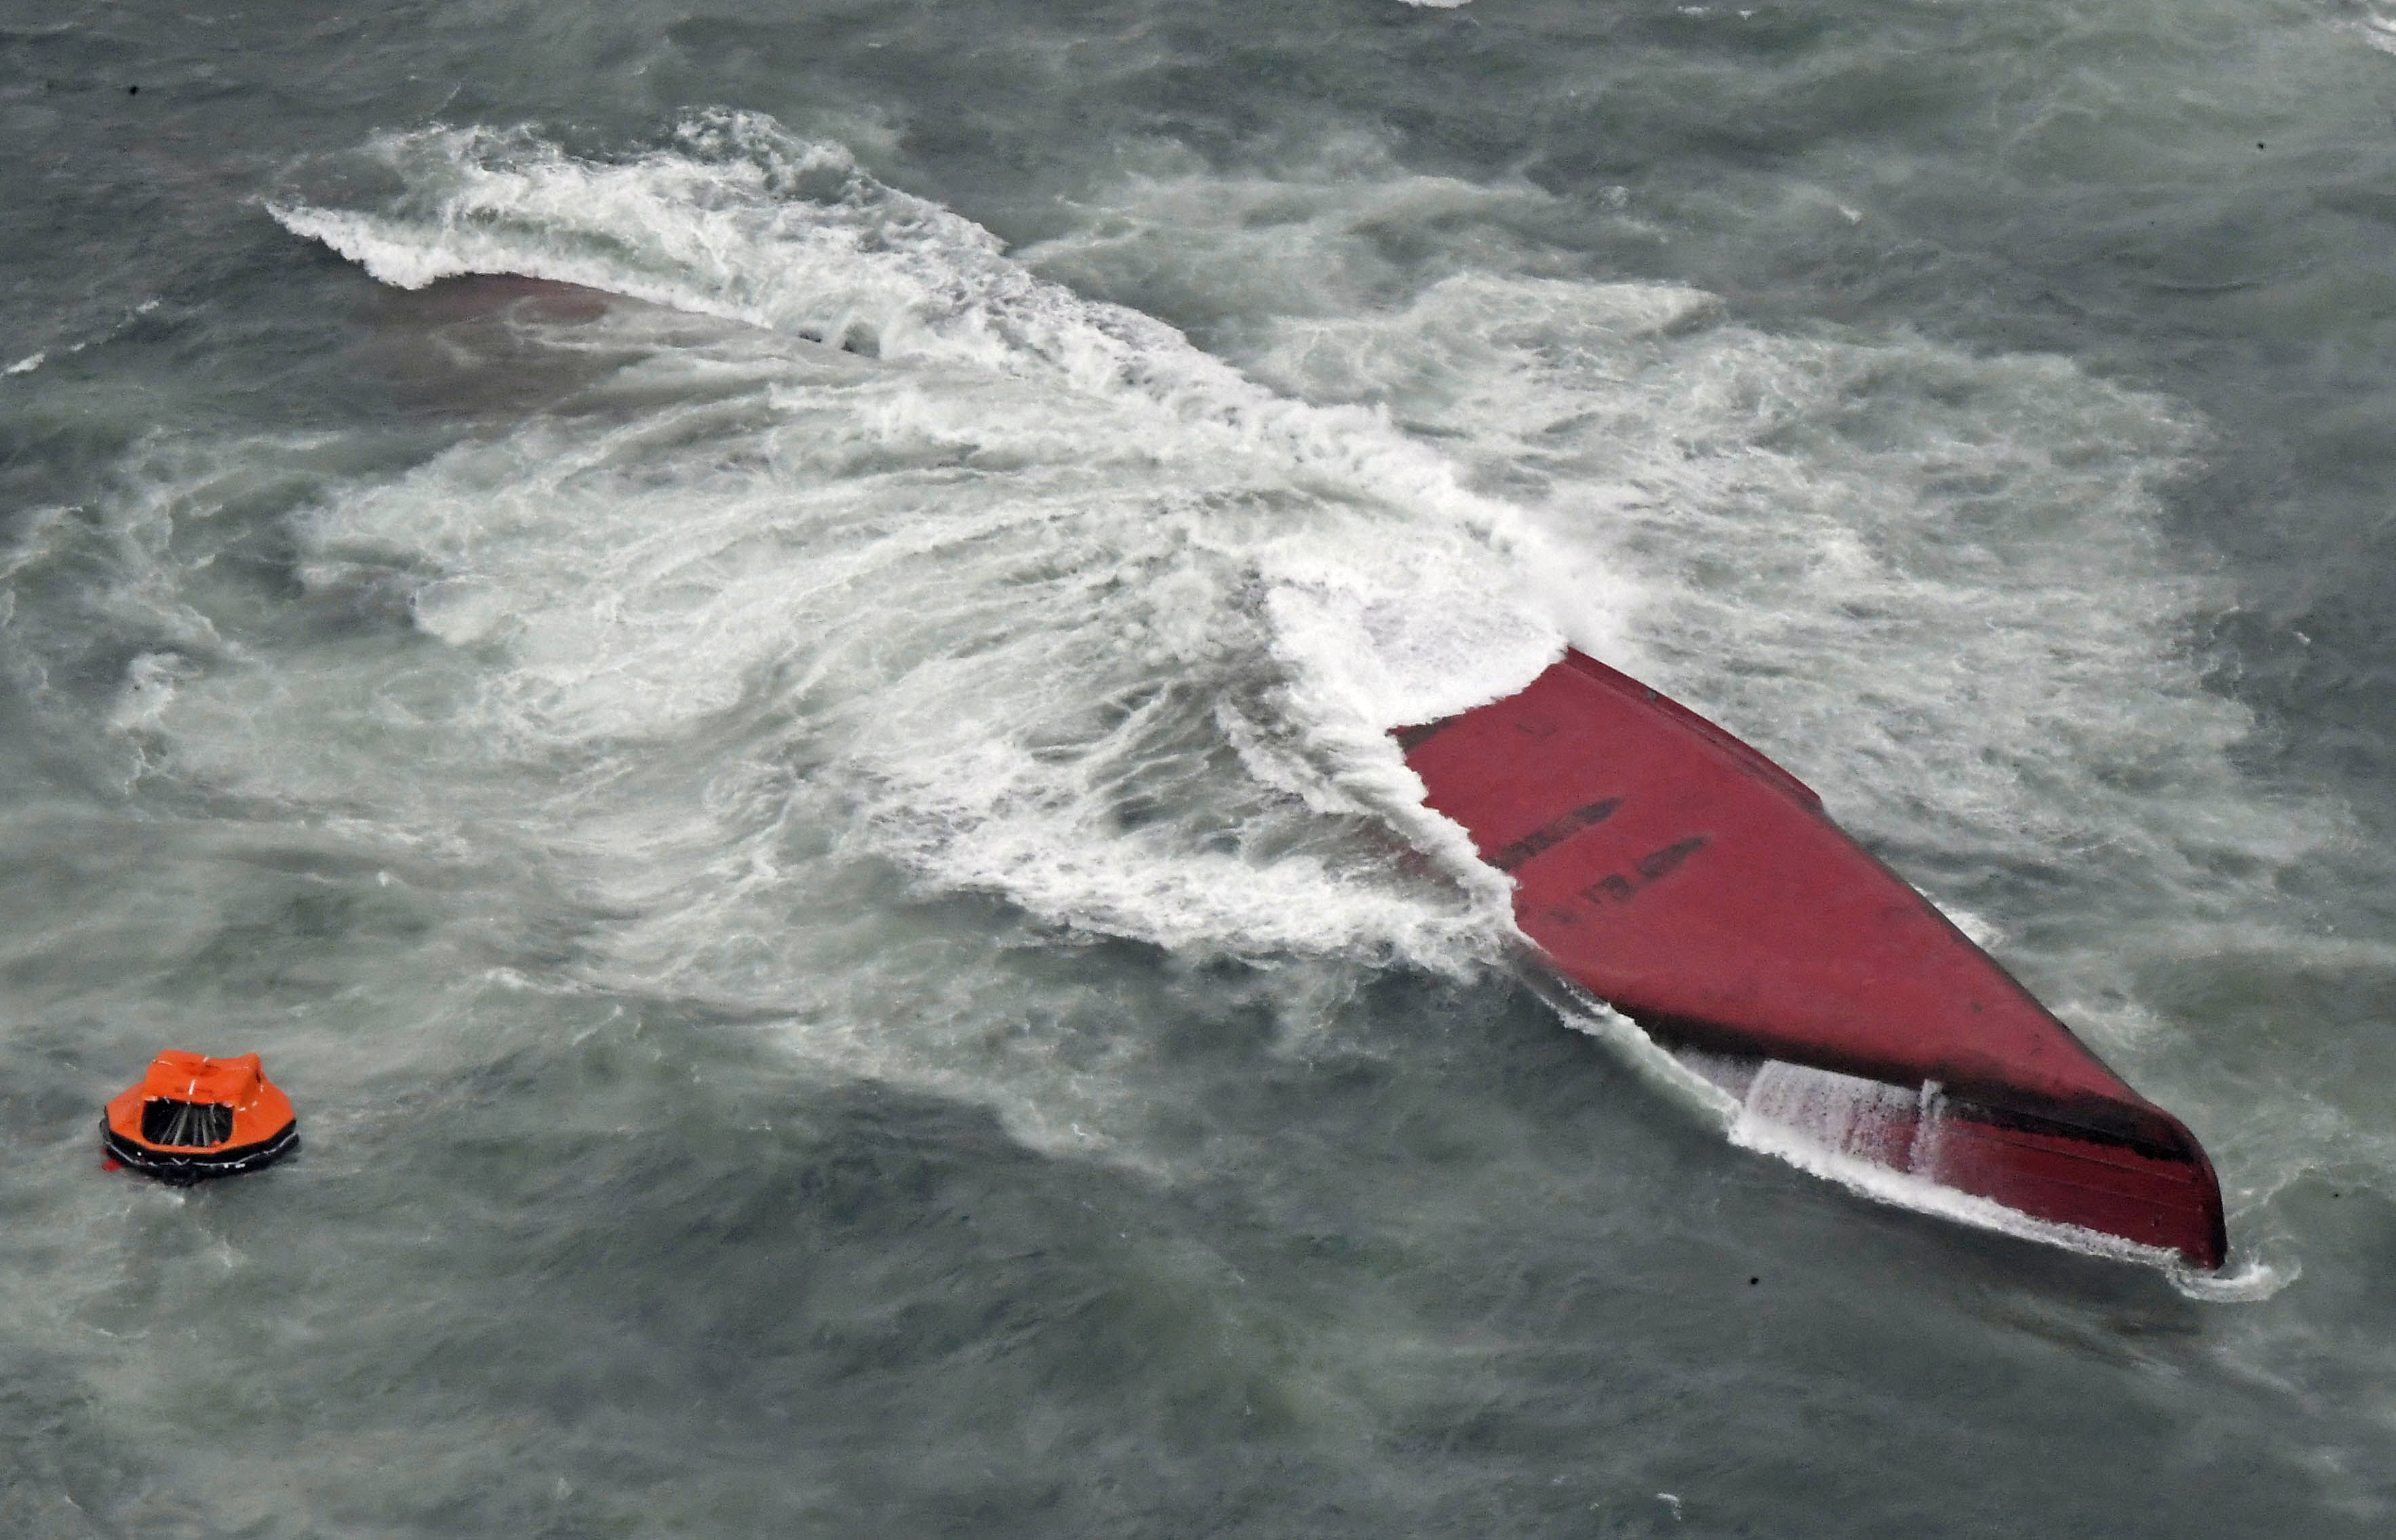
<point>1679,876</point>
<point>193,1117</point>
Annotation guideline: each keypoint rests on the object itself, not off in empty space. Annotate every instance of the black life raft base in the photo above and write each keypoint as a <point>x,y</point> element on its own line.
<point>188,1167</point>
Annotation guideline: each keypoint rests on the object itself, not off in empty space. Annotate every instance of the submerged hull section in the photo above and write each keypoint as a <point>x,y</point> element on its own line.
<point>1681,877</point>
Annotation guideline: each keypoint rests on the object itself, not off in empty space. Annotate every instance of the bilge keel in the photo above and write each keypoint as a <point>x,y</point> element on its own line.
<point>1677,875</point>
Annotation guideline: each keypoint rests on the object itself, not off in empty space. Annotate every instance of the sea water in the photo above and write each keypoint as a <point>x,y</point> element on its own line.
<point>754,643</point>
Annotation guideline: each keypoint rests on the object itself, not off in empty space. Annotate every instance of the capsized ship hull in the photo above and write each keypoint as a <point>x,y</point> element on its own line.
<point>1675,873</point>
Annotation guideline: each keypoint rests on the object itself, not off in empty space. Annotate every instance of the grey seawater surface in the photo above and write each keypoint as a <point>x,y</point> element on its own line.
<point>750,643</point>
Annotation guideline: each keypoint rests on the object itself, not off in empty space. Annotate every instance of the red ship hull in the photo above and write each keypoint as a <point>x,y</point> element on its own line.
<point>1680,876</point>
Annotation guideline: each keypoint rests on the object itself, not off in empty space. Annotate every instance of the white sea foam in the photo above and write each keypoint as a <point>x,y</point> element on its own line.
<point>1027,596</point>
<point>1024,596</point>
<point>1086,439</point>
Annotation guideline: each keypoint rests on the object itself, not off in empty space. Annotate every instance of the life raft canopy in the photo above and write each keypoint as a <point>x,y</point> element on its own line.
<point>193,1117</point>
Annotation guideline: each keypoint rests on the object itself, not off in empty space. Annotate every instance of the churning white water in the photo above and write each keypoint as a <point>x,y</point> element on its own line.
<point>776,719</point>
<point>919,558</point>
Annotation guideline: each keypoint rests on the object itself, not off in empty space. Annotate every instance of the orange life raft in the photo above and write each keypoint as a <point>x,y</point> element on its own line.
<point>194,1117</point>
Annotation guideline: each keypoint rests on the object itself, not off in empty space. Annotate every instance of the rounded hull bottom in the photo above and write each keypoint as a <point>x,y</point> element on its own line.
<point>1672,872</point>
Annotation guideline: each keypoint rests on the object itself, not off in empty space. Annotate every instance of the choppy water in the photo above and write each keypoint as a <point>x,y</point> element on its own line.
<point>753,646</point>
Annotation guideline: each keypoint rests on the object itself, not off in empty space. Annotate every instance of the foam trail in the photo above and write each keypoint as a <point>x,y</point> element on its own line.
<point>1025,594</point>
<point>741,220</point>
<point>1016,593</point>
